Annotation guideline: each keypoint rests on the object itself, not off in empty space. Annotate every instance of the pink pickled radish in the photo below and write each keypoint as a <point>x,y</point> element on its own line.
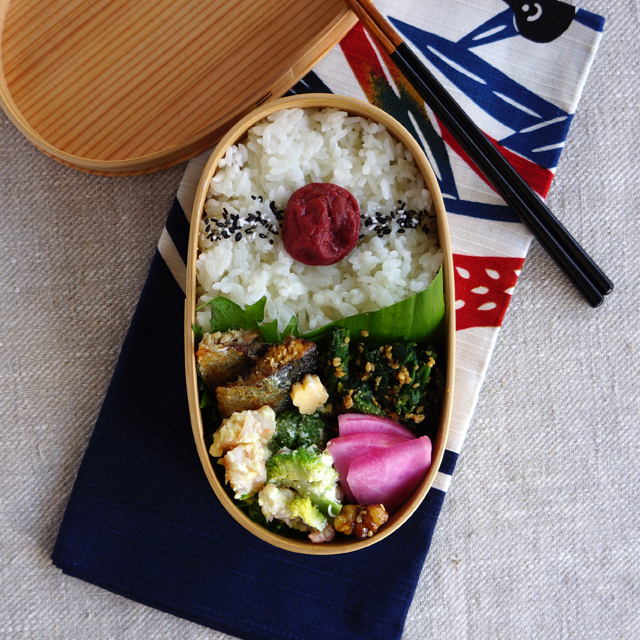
<point>390,475</point>
<point>344,449</point>
<point>359,422</point>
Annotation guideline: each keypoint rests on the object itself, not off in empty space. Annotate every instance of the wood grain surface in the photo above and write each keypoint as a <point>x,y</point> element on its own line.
<point>111,86</point>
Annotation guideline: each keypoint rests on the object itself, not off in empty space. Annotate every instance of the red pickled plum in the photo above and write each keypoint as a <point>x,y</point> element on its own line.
<point>321,224</point>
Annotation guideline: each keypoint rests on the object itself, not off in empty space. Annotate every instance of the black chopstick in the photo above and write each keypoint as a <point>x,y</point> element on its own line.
<point>549,231</point>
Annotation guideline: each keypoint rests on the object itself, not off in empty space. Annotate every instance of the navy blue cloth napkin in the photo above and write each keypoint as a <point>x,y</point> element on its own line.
<point>143,521</point>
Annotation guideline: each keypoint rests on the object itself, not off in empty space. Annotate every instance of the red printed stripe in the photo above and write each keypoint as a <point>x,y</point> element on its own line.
<point>483,289</point>
<point>362,59</point>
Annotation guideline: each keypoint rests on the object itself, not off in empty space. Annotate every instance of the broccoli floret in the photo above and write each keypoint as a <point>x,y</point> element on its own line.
<point>284,505</point>
<point>294,430</point>
<point>310,473</point>
<point>304,509</point>
<point>304,470</point>
<point>275,504</point>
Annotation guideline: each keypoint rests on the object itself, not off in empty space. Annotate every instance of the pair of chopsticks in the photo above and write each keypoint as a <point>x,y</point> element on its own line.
<point>551,234</point>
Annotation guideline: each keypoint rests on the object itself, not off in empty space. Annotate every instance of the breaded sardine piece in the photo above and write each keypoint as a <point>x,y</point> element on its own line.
<point>225,357</point>
<point>270,380</point>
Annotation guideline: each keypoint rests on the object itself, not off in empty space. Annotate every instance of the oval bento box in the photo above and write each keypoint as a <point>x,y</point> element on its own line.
<point>340,544</point>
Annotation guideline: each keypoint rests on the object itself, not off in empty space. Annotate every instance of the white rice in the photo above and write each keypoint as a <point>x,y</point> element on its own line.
<point>287,150</point>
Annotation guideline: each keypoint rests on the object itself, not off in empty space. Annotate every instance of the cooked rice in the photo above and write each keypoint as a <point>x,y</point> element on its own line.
<point>282,153</point>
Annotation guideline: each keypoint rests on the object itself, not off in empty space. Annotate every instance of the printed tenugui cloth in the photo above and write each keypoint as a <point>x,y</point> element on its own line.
<point>142,519</point>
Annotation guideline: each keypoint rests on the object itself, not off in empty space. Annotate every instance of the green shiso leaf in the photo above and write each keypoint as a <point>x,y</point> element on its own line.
<point>226,315</point>
<point>270,332</point>
<point>291,329</point>
<point>205,398</point>
<point>420,319</point>
<point>197,334</point>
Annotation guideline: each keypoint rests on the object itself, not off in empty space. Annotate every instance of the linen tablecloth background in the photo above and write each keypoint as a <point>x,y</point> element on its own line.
<point>539,535</point>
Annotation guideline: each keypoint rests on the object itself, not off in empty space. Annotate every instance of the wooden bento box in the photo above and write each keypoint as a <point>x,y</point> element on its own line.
<point>342,544</point>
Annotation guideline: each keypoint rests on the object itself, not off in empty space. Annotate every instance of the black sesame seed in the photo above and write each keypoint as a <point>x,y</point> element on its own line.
<point>253,197</point>
<point>250,217</point>
<point>262,235</point>
<point>270,240</point>
<point>400,230</point>
<point>386,231</point>
<point>238,237</point>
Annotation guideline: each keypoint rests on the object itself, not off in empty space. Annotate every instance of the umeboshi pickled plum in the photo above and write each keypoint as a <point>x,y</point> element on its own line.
<point>321,224</point>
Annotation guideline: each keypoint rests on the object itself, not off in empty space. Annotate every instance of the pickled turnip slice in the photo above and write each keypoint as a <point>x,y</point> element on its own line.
<point>345,449</point>
<point>361,422</point>
<point>390,475</point>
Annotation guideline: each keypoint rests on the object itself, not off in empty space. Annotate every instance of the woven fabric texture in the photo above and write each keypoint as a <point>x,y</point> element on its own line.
<point>539,536</point>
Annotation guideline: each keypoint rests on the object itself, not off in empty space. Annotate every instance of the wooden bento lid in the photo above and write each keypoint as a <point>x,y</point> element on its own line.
<point>115,87</point>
